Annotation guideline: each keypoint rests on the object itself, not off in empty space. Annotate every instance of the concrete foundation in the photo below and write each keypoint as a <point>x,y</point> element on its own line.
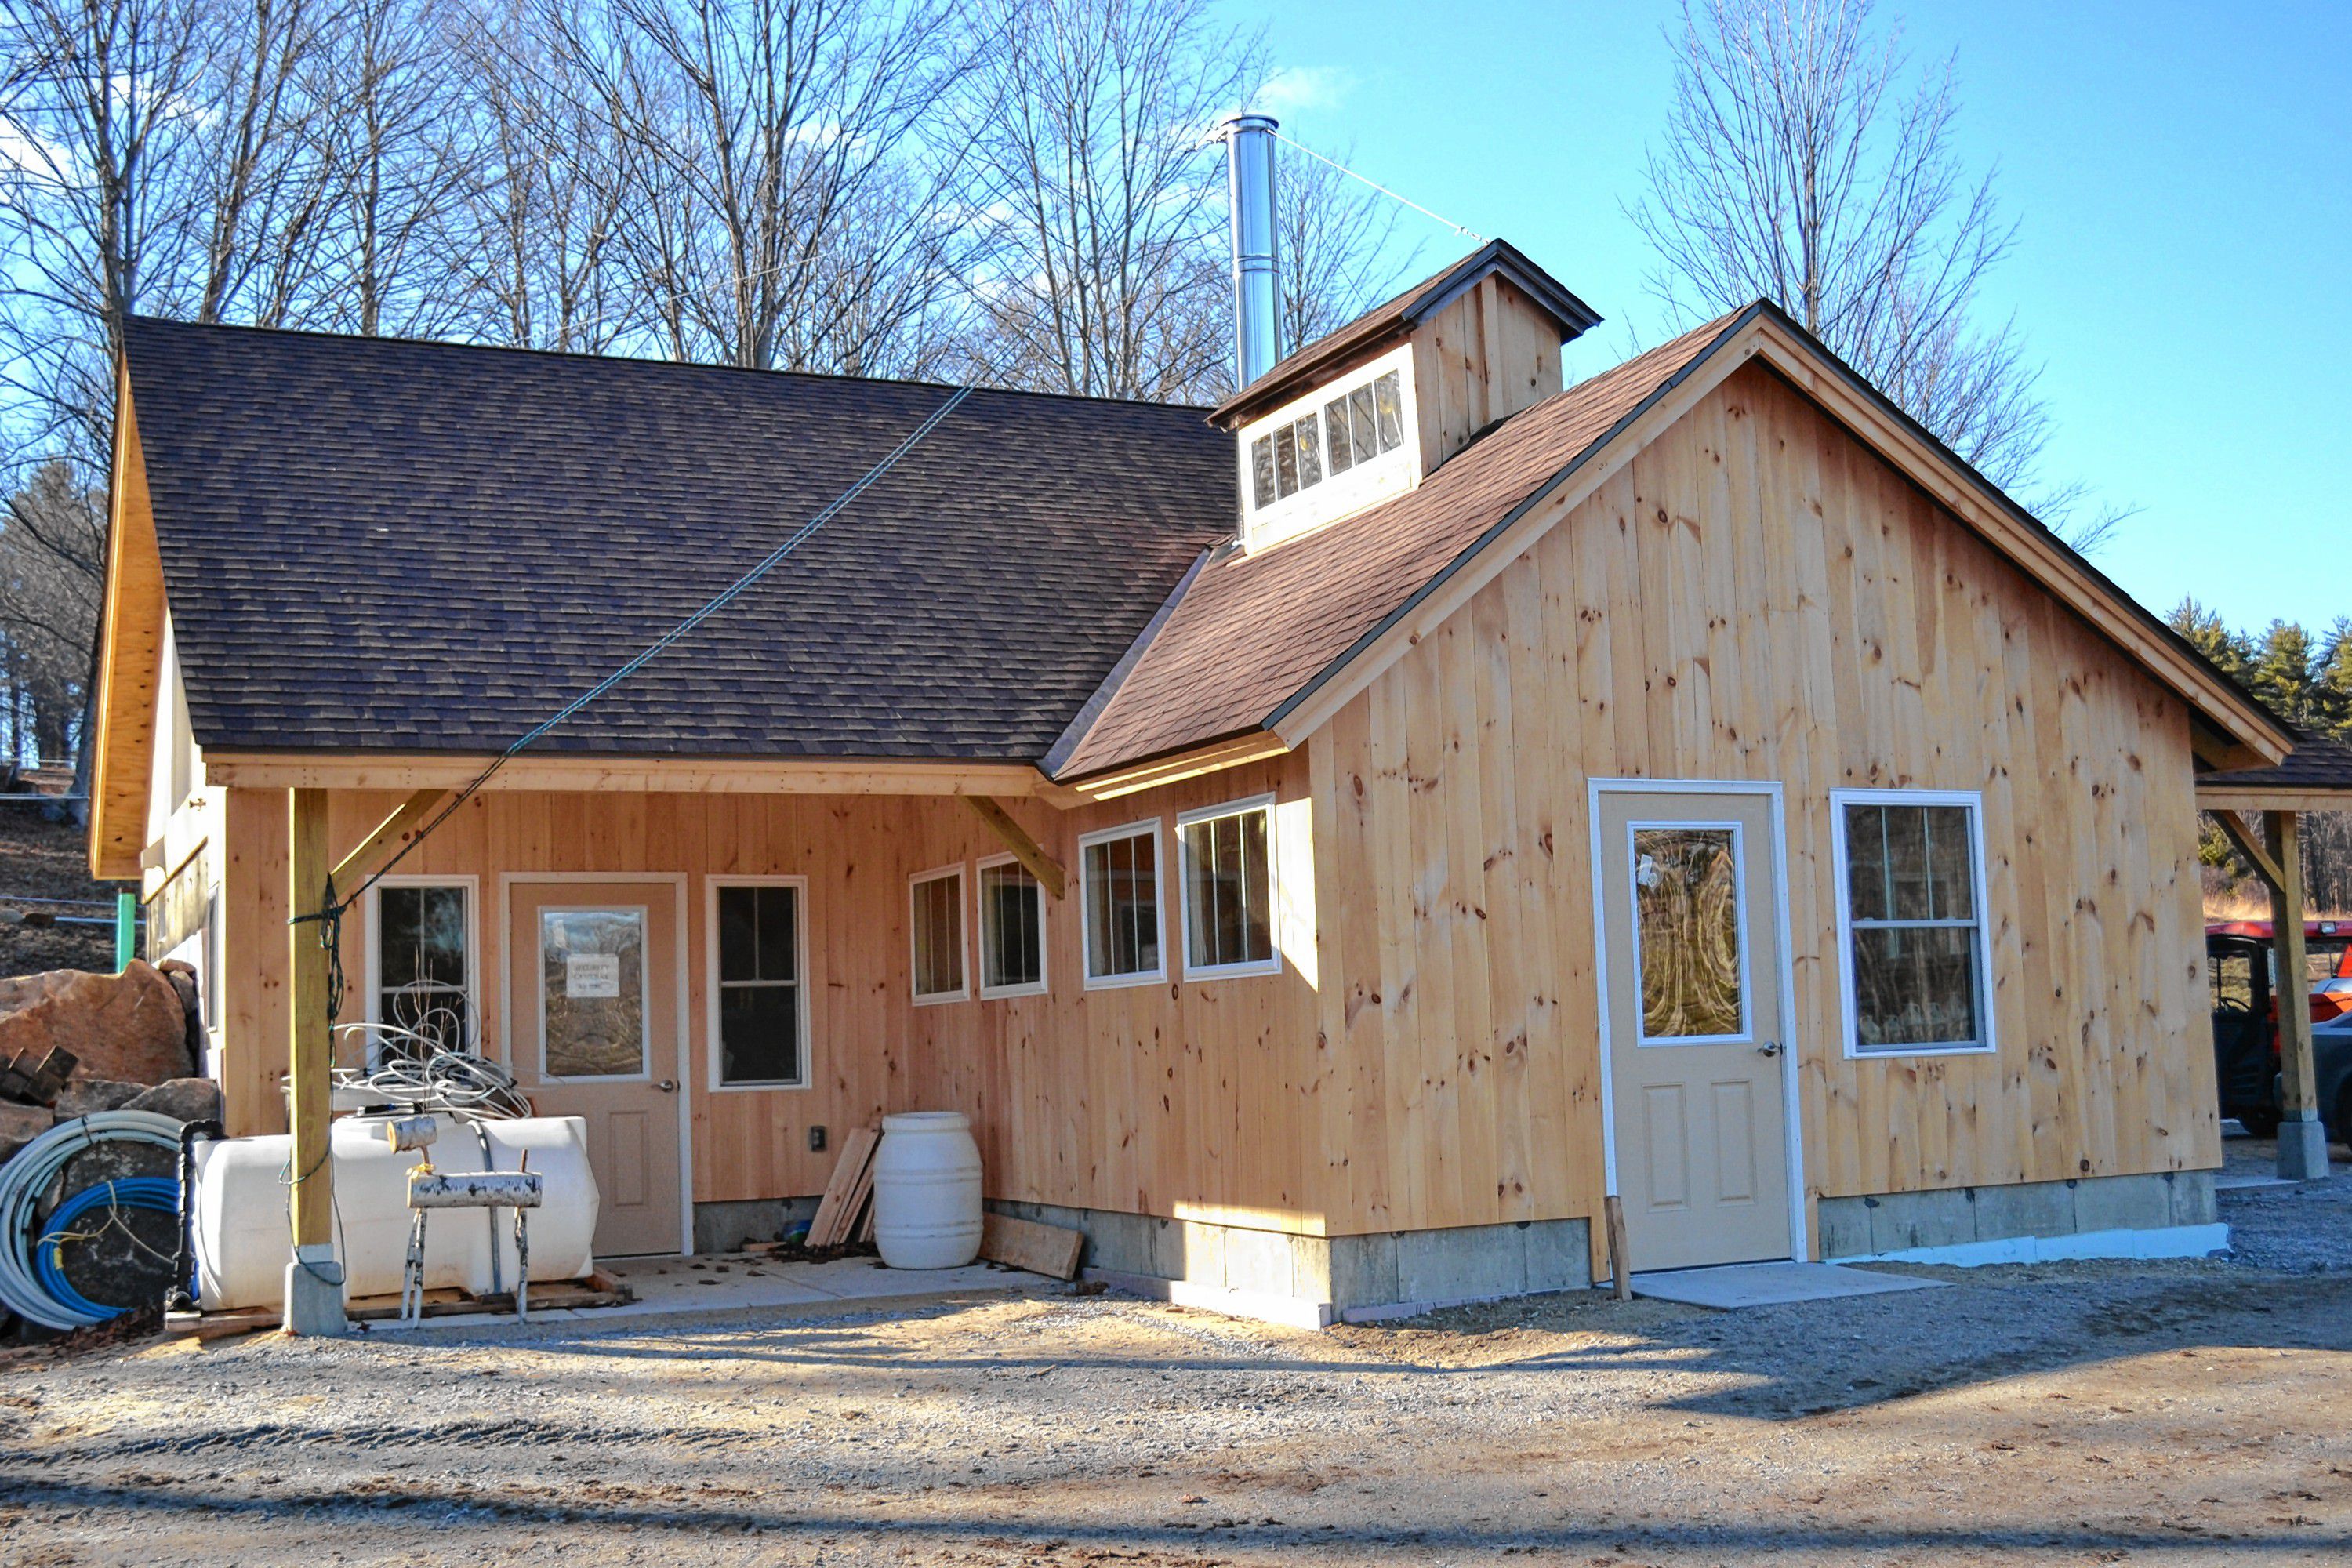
<point>314,1293</point>
<point>1323,1278</point>
<point>730,1227</point>
<point>1954,1218</point>
<point>2302,1151</point>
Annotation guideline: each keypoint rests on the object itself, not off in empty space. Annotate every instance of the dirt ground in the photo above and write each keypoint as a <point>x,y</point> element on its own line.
<point>2174,1413</point>
<point>50,860</point>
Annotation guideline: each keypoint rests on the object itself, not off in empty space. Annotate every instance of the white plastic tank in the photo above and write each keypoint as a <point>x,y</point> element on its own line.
<point>241,1223</point>
<point>926,1191</point>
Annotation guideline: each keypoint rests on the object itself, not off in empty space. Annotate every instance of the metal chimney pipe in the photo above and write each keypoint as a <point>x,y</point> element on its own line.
<point>1257,288</point>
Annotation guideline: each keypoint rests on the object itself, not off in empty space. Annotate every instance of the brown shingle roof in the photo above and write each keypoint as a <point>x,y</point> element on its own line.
<point>2316,764</point>
<point>371,543</point>
<point>1256,632</point>
<point>1386,322</point>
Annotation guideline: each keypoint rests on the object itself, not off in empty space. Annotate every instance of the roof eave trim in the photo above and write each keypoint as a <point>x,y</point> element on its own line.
<point>1065,746</point>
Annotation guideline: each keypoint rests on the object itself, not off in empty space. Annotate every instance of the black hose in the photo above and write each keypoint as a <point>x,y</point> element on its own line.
<point>181,1296</point>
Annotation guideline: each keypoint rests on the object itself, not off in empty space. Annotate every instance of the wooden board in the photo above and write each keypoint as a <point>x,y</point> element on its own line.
<point>1047,1249</point>
<point>852,1179</point>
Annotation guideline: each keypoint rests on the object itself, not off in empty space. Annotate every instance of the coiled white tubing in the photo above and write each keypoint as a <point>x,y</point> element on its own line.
<point>24,1179</point>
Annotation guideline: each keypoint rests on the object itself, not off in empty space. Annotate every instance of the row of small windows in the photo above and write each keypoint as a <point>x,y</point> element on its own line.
<point>1351,429</point>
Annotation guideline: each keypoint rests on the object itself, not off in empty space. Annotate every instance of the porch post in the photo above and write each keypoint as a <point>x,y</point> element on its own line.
<point>314,1280</point>
<point>2301,1139</point>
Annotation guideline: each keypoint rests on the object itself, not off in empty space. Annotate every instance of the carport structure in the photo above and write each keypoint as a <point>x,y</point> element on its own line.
<point>2260,811</point>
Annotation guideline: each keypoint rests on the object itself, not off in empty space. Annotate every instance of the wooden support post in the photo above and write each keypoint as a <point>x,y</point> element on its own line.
<point>314,1294</point>
<point>1025,849</point>
<point>1621,1269</point>
<point>2302,1139</point>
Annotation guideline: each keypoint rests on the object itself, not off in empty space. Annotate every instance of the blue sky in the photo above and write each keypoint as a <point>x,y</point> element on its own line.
<point>2183,271</point>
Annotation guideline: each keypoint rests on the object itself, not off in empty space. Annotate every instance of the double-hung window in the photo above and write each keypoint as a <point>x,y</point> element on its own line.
<point>423,969</point>
<point>1119,870</point>
<point>1229,890</point>
<point>1911,919</point>
<point>1012,930</point>
<point>934,924</point>
<point>761,1005</point>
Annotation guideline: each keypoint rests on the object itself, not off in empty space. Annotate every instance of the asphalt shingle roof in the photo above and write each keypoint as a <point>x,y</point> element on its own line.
<point>381,545</point>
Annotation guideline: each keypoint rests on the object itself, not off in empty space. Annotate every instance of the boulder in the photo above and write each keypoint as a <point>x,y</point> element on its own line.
<point>181,1099</point>
<point>130,1027</point>
<point>20,1124</point>
<point>89,1095</point>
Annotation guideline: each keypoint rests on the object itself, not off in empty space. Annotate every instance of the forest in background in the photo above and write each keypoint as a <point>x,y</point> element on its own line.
<point>2305,679</point>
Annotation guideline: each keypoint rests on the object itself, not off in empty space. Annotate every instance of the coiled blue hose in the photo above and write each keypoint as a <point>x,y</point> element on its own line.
<point>48,1254</point>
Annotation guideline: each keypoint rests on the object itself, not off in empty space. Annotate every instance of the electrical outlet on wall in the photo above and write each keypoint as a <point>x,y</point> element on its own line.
<point>817,1140</point>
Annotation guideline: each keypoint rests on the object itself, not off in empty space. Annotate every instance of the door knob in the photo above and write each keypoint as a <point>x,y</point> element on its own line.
<point>669,1085</point>
<point>1768,1048</point>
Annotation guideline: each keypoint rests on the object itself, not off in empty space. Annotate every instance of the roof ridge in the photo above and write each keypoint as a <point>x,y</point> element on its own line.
<point>528,351</point>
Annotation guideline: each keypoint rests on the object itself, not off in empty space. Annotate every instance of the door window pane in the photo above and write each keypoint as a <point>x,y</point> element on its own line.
<point>1122,892</point>
<point>1228,891</point>
<point>1012,930</point>
<point>1687,933</point>
<point>759,985</point>
<point>937,916</point>
<point>1916,958</point>
<point>421,970</point>
<point>592,993</point>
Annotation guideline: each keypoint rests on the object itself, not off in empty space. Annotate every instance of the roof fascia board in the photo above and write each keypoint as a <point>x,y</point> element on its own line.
<point>1759,331</point>
<point>2281,797</point>
<point>131,652</point>
<point>1232,751</point>
<point>414,771</point>
<point>1340,681</point>
<point>1074,734</point>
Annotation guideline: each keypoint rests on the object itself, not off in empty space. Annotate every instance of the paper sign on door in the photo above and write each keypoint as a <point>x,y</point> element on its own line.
<point>590,976</point>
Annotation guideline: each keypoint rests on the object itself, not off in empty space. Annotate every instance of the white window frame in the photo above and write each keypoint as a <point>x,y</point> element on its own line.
<point>712,982</point>
<point>1642,1035</point>
<point>1269,965</point>
<point>1149,827</point>
<point>1334,496</point>
<point>1849,1002</point>
<point>963,939</point>
<point>1044,981</point>
<point>473,987</point>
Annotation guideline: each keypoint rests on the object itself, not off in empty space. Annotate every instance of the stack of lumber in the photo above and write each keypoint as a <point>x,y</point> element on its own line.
<point>845,1213</point>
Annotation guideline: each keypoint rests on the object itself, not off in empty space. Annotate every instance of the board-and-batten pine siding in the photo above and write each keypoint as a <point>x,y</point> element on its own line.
<point>1756,597</point>
<point>1178,1098</point>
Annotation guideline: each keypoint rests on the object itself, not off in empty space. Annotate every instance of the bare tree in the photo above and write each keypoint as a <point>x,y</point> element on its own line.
<point>1797,167</point>
<point>1101,202</point>
<point>52,543</point>
<point>780,194</point>
<point>1336,244</point>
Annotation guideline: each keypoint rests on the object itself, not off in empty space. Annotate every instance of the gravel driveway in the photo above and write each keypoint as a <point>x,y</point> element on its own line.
<point>2178,1413</point>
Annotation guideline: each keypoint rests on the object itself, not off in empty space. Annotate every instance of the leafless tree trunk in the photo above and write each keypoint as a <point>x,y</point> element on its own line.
<point>782,204</point>
<point>1102,202</point>
<point>1798,168</point>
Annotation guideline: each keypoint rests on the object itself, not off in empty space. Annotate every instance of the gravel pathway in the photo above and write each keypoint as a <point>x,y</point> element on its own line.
<point>2188,1412</point>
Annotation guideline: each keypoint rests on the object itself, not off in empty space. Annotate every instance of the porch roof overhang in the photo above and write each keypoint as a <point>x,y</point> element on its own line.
<point>2316,775</point>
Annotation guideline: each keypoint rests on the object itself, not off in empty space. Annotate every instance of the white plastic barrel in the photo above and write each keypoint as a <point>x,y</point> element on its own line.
<point>241,1226</point>
<point>926,1191</point>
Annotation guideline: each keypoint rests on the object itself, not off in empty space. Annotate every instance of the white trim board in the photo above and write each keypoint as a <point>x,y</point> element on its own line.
<point>2162,1241</point>
<point>1793,1110</point>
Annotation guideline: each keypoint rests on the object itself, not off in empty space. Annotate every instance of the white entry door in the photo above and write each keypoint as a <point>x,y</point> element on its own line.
<point>1697,1064</point>
<point>594,970</point>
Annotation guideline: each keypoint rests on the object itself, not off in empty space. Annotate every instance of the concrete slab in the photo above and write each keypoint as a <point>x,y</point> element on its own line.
<point>1737,1285</point>
<point>675,1287</point>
